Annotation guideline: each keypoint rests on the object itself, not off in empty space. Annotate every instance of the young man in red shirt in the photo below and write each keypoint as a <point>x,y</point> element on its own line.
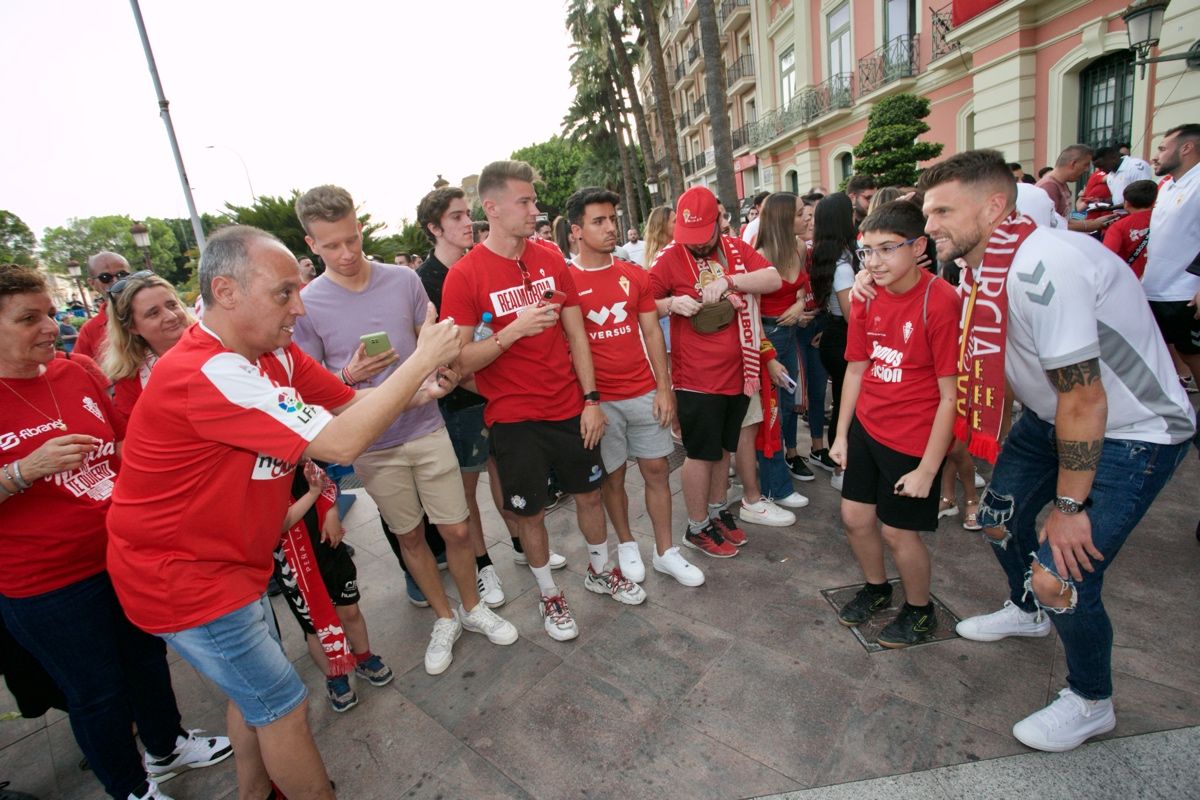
<point>902,363</point>
<point>715,365</point>
<point>619,314</point>
<point>1129,236</point>
<point>536,372</point>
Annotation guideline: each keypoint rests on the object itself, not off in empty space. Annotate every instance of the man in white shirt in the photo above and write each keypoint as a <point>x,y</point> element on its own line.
<point>750,232</point>
<point>635,248</point>
<point>1173,292</point>
<point>1122,171</point>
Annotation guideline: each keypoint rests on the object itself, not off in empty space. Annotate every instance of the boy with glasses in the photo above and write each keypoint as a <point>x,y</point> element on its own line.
<point>901,369</point>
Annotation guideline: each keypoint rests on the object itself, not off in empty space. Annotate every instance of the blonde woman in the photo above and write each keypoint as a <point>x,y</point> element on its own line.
<point>146,318</point>
<point>659,232</point>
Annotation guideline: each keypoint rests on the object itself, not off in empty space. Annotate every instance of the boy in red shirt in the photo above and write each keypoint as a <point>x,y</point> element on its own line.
<point>900,382</point>
<point>1129,236</point>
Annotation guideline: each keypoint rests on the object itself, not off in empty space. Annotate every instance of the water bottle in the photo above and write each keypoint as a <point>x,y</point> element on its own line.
<point>483,330</point>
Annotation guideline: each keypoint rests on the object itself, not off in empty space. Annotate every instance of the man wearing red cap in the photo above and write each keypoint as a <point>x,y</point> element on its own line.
<point>708,284</point>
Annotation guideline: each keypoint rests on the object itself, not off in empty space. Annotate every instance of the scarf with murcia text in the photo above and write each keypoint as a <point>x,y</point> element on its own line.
<point>747,319</point>
<point>980,390</point>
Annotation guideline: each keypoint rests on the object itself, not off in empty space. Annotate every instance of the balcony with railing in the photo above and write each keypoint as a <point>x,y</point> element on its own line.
<point>680,72</point>
<point>732,11</point>
<point>742,70</point>
<point>741,136</point>
<point>803,108</point>
<point>900,58</point>
<point>695,164</point>
<point>693,53</point>
<point>699,109</point>
<point>684,119</point>
<point>942,26</point>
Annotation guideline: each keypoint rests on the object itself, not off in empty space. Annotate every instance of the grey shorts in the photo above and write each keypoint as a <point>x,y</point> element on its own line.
<point>632,432</point>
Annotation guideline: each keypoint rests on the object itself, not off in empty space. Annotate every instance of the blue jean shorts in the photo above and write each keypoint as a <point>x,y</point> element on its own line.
<point>241,653</point>
<point>469,435</point>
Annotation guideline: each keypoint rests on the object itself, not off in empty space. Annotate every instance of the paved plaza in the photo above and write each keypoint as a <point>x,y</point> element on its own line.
<point>745,687</point>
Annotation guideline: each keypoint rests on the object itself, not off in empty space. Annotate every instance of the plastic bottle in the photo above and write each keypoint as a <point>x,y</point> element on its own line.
<point>483,330</point>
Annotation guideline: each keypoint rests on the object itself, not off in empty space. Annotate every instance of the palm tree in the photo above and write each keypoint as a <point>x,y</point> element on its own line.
<point>718,114</point>
<point>648,23</point>
<point>616,37</point>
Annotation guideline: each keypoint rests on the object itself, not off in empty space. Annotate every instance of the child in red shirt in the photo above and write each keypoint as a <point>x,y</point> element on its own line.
<point>902,363</point>
<point>1128,236</point>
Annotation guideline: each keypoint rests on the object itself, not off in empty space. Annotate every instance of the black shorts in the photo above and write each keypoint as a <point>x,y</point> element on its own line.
<point>525,452</point>
<point>338,573</point>
<point>1178,323</point>
<point>710,423</point>
<point>872,470</point>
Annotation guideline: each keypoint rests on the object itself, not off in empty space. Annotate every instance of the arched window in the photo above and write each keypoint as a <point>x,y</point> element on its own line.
<point>1106,100</point>
<point>791,182</point>
<point>845,164</point>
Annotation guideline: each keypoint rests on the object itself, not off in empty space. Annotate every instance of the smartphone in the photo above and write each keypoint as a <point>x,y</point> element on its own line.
<point>789,384</point>
<point>376,343</point>
<point>552,296</point>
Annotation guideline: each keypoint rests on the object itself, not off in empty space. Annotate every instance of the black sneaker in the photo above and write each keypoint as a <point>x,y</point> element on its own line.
<point>799,469</point>
<point>820,458</point>
<point>913,626</point>
<point>865,604</point>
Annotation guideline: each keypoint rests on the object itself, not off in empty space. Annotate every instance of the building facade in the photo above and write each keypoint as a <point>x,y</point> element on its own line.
<point>1026,77</point>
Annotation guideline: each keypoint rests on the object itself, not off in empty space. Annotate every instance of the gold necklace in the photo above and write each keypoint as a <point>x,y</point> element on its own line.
<point>55,423</point>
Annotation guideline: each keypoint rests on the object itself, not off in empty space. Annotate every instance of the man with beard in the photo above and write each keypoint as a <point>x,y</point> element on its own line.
<point>861,188</point>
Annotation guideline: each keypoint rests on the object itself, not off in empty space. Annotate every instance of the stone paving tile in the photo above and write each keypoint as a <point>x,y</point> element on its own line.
<point>463,775</point>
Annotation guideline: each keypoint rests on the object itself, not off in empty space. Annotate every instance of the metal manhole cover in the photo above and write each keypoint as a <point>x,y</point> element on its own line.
<point>869,631</point>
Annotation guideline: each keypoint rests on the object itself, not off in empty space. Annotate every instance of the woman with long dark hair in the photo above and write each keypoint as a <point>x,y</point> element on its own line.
<point>834,264</point>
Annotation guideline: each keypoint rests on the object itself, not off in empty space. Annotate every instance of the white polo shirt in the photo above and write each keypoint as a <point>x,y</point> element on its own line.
<point>1033,202</point>
<point>1174,240</point>
<point>1129,170</point>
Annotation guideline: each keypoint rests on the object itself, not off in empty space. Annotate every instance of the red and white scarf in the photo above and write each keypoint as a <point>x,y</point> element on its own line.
<point>749,323</point>
<point>980,402</point>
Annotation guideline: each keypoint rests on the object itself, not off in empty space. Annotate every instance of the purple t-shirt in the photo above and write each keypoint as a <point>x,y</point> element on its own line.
<point>394,301</point>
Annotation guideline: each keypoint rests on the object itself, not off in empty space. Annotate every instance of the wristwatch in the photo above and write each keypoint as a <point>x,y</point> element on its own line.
<point>1068,505</point>
<point>592,397</point>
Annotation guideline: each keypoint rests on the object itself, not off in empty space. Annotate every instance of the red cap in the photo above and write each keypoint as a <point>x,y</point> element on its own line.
<point>696,216</point>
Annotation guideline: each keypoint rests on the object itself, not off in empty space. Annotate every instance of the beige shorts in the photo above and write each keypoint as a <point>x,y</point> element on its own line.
<point>754,411</point>
<point>416,477</point>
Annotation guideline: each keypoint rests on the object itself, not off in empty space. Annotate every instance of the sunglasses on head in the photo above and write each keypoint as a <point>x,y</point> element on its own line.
<point>120,285</point>
<point>525,279</point>
<point>109,277</point>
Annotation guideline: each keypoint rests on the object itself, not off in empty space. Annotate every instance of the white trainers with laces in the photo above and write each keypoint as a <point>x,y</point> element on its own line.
<point>674,564</point>
<point>835,480</point>
<point>764,512</point>
<point>556,561</point>
<point>1008,621</point>
<point>980,481</point>
<point>191,752</point>
<point>1066,723</point>
<point>152,793</point>
<point>487,582</point>
<point>630,560</point>
<point>440,651</point>
<point>614,584</point>
<point>556,617</point>
<point>482,619</point>
<point>793,500</point>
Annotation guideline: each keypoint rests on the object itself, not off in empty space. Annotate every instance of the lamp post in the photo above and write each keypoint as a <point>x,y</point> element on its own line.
<point>141,237</point>
<point>652,188</point>
<point>75,271</point>
<point>1143,25</point>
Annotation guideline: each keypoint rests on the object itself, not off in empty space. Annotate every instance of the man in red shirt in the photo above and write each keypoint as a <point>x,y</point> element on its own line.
<point>619,314</point>
<point>1129,236</point>
<point>204,488</point>
<point>714,355</point>
<point>536,372</point>
<point>104,269</point>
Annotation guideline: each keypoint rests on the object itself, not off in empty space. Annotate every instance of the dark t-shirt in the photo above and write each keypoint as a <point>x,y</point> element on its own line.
<point>432,273</point>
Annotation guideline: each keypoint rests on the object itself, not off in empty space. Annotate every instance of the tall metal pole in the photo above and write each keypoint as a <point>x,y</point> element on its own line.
<point>165,113</point>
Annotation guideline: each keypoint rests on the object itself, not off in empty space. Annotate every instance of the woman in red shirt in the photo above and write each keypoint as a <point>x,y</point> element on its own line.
<point>59,458</point>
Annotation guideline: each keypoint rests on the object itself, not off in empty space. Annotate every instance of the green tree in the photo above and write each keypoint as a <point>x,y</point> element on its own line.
<point>889,150</point>
<point>16,240</point>
<point>83,237</point>
<point>557,162</point>
<point>277,215</point>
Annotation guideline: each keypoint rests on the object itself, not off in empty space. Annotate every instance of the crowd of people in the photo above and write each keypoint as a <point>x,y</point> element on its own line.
<point>150,498</point>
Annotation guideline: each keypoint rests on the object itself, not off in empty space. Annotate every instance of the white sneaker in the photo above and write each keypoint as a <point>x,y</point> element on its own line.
<point>793,500</point>
<point>674,564</point>
<point>556,561</point>
<point>440,651</point>
<point>835,480</point>
<point>482,619</point>
<point>1066,723</point>
<point>980,482</point>
<point>614,584</point>
<point>153,793</point>
<point>191,752</point>
<point>631,562</point>
<point>487,582</point>
<point>764,512</point>
<point>556,617</point>
<point>1008,621</point>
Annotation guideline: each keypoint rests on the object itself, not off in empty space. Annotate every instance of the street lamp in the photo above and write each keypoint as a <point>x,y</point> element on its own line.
<point>75,271</point>
<point>1143,25</point>
<point>652,188</point>
<point>141,237</point>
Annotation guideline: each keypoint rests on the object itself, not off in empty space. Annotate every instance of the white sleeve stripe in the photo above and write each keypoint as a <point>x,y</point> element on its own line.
<point>1086,353</point>
<point>241,384</point>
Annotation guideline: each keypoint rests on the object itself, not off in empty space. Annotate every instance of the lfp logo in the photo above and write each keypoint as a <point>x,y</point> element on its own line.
<point>289,402</point>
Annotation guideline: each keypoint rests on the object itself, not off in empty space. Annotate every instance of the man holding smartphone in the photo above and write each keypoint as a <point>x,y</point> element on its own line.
<point>411,469</point>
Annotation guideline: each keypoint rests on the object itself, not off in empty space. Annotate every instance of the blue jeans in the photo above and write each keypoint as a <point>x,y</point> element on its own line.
<point>1129,477</point>
<point>815,378</point>
<point>774,480</point>
<point>112,674</point>
<point>783,339</point>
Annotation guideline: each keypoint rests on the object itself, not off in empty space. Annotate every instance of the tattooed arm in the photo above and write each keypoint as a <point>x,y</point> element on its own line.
<point>1079,426</point>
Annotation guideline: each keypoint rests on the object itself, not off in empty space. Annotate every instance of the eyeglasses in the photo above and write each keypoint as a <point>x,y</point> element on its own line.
<point>884,252</point>
<point>525,279</point>
<point>109,277</point>
<point>120,285</point>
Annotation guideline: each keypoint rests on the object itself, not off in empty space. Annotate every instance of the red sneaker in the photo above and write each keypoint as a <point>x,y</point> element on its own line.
<point>710,542</point>
<point>729,528</point>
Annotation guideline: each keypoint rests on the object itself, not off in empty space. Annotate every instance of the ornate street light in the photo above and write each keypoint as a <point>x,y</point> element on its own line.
<point>76,272</point>
<point>141,237</point>
<point>1143,25</point>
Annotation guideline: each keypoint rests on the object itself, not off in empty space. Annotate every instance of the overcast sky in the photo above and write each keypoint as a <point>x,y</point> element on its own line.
<point>377,96</point>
